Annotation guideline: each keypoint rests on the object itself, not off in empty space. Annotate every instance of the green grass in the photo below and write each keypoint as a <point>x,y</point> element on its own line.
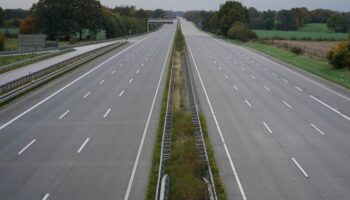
<point>315,28</point>
<point>11,44</point>
<point>273,34</point>
<point>6,60</point>
<point>12,31</point>
<point>317,67</point>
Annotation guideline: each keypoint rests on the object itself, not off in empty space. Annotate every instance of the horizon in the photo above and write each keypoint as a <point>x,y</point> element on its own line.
<point>183,5</point>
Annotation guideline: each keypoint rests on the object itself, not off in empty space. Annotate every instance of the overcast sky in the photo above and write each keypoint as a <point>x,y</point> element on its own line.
<point>342,5</point>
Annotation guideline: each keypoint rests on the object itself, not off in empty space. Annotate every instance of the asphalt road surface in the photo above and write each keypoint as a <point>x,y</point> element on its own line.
<point>277,133</point>
<point>89,134</point>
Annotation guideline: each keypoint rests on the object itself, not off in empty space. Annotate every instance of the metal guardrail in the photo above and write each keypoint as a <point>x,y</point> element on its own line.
<point>166,138</point>
<point>164,189</point>
<point>24,84</point>
<point>198,133</point>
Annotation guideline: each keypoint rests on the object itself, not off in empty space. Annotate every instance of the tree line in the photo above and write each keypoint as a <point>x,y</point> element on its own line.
<point>67,19</point>
<point>286,20</point>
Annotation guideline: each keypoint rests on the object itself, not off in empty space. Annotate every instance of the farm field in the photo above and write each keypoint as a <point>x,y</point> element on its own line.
<point>317,49</point>
<point>315,27</point>
<point>298,35</point>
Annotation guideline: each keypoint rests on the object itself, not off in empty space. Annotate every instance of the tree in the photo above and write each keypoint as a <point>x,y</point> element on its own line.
<point>240,31</point>
<point>28,26</point>
<point>320,15</point>
<point>111,23</point>
<point>337,23</point>
<point>56,18</point>
<point>269,18</point>
<point>158,13</point>
<point>285,20</point>
<point>87,15</point>
<point>231,12</point>
<point>15,14</point>
<point>1,17</point>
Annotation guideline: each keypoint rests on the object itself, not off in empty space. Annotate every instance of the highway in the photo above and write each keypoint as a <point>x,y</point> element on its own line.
<point>88,134</point>
<point>277,132</point>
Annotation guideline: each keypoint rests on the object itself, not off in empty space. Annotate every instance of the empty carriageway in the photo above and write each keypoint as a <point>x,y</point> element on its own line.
<point>89,134</point>
<point>277,132</point>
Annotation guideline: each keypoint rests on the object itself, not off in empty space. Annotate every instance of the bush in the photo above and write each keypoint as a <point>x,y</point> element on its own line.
<point>339,56</point>
<point>297,50</point>
<point>239,31</point>
<point>2,41</point>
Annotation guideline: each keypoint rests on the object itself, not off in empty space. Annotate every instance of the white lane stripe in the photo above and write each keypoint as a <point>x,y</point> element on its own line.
<point>142,64</point>
<point>144,134</point>
<point>214,62</point>
<point>83,145</point>
<point>46,196</point>
<point>267,127</point>
<point>266,69</point>
<point>64,114</point>
<point>253,77</point>
<point>285,103</point>
<point>101,82</point>
<point>284,80</point>
<point>26,147</point>
<point>106,113</point>
<point>128,59</point>
<point>300,168</point>
<point>274,74</point>
<point>267,88</point>
<point>226,76</point>
<point>298,88</point>
<point>131,80</point>
<point>68,85</point>
<point>87,94</point>
<point>243,69</point>
<point>330,107</point>
<point>220,68</point>
<point>146,59</point>
<point>247,102</point>
<point>137,71</point>
<point>219,129</point>
<point>113,72</point>
<point>121,93</point>
<point>235,87</point>
<point>121,65</point>
<point>317,129</point>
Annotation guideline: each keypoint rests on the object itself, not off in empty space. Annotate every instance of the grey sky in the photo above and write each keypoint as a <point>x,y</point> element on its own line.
<point>343,5</point>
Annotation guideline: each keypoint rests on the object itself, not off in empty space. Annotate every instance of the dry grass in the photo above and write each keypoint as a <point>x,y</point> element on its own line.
<point>317,49</point>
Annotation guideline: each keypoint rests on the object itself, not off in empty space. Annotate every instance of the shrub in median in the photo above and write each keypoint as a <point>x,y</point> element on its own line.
<point>339,56</point>
<point>2,41</point>
<point>240,31</point>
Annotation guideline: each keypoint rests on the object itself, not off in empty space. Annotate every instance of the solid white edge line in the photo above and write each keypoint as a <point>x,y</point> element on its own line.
<point>285,103</point>
<point>132,176</point>
<point>46,196</point>
<point>106,113</point>
<point>121,93</point>
<point>83,145</point>
<point>267,127</point>
<point>87,94</point>
<point>68,85</point>
<point>300,168</point>
<point>218,128</point>
<point>64,114</point>
<point>26,147</point>
<point>317,129</point>
<point>329,107</point>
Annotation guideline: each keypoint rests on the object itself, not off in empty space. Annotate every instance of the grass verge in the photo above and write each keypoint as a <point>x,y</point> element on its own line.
<point>21,59</point>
